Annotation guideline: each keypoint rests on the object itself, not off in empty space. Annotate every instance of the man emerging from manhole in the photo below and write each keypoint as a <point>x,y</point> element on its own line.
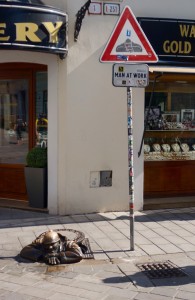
<point>54,248</point>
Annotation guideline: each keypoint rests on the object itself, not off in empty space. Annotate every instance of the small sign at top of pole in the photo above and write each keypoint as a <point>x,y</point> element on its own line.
<point>128,43</point>
<point>130,75</point>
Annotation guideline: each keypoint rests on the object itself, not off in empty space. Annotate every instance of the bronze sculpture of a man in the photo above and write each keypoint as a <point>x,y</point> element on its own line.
<point>53,248</point>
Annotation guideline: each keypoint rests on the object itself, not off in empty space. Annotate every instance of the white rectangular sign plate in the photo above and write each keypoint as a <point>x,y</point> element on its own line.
<point>95,8</point>
<point>130,75</point>
<point>111,9</point>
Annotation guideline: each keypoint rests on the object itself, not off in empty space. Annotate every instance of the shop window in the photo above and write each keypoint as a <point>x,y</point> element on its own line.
<point>170,119</point>
<point>41,109</point>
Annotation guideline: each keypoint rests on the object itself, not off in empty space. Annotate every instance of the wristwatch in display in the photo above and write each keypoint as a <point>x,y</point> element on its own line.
<point>166,147</point>
<point>185,147</point>
<point>176,147</point>
<point>156,147</point>
<point>146,148</point>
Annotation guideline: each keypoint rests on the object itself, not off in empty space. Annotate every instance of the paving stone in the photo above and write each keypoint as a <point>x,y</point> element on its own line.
<point>175,239</point>
<point>107,244</point>
<point>187,288</point>
<point>60,296</point>
<point>43,284</point>
<point>113,297</point>
<point>140,227</point>
<point>24,280</point>
<point>182,233</point>
<point>145,296</point>
<point>169,248</point>
<point>116,235</point>
<point>163,232</point>
<point>83,269</point>
<point>164,291</point>
<point>69,290</point>
<point>16,296</point>
<point>89,286</point>
<point>159,241</point>
<point>118,224</point>
<point>141,240</point>
<point>185,295</point>
<point>3,292</point>
<point>153,225</point>
<point>149,234</point>
<point>187,247</point>
<point>95,217</point>
<point>80,218</point>
<point>90,295</point>
<point>124,244</point>
<point>151,249</point>
<point>121,293</point>
<point>31,291</point>
<point>100,255</point>
<point>6,285</point>
<point>87,278</point>
<point>8,254</point>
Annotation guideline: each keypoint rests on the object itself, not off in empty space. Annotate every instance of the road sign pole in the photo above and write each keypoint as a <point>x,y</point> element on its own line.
<point>130,165</point>
<point>126,75</point>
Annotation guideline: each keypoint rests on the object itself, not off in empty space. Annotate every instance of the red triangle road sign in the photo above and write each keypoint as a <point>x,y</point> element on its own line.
<point>128,42</point>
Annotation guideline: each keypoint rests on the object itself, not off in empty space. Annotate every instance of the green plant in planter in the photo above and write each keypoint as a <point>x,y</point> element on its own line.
<point>37,158</point>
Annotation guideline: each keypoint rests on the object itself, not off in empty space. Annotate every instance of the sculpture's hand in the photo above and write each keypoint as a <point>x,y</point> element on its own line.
<point>53,260</point>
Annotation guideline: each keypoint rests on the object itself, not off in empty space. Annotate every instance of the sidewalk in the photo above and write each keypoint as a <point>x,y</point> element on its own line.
<point>113,274</point>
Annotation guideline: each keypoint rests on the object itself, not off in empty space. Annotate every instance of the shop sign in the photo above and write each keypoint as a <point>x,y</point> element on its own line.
<point>130,75</point>
<point>35,28</point>
<point>172,40</point>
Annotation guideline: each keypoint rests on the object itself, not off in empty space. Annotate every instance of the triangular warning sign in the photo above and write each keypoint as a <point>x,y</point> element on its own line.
<point>128,42</point>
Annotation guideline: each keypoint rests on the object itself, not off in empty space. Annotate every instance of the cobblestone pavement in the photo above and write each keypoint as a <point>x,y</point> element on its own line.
<point>160,236</point>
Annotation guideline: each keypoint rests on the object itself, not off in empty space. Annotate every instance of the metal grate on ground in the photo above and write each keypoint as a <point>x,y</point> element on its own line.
<point>159,270</point>
<point>88,253</point>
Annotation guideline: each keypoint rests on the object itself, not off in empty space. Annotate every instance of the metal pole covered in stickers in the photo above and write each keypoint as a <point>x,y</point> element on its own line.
<point>130,165</point>
<point>126,75</point>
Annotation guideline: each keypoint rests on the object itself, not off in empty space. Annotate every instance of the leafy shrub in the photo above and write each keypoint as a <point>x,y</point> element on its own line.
<point>37,158</point>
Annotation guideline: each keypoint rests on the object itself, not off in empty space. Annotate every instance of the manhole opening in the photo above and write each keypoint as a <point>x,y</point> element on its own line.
<point>79,237</point>
<point>88,254</point>
<point>160,270</point>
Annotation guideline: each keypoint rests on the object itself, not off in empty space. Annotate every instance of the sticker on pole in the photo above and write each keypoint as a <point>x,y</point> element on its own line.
<point>126,75</point>
<point>128,42</point>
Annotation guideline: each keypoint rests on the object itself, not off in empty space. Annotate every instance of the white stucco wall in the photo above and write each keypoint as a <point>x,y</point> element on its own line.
<point>95,119</point>
<point>93,113</point>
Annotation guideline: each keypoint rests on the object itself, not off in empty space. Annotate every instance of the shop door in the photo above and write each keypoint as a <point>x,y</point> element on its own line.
<point>17,128</point>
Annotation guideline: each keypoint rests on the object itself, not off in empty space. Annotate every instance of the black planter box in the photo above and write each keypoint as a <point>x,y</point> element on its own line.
<point>36,185</point>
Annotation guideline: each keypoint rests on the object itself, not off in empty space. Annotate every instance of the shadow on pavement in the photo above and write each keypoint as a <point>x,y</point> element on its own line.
<point>139,279</point>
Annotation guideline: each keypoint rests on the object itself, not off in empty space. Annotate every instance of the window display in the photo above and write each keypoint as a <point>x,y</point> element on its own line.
<point>170,120</point>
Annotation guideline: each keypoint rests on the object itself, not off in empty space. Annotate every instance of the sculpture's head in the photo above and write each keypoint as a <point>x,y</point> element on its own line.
<point>51,241</point>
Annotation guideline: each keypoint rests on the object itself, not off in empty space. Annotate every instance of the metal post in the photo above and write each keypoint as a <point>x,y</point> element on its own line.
<point>130,166</point>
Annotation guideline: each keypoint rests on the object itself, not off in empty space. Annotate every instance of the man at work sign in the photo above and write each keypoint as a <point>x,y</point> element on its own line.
<point>126,75</point>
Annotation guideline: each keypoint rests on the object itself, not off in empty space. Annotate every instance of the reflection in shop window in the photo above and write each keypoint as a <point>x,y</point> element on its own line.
<point>13,121</point>
<point>41,109</point>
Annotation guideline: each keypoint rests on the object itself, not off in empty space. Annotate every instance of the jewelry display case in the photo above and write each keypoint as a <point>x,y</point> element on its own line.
<point>169,137</point>
<point>161,145</point>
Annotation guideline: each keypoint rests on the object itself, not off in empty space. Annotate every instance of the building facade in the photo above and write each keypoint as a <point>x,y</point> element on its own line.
<point>64,98</point>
